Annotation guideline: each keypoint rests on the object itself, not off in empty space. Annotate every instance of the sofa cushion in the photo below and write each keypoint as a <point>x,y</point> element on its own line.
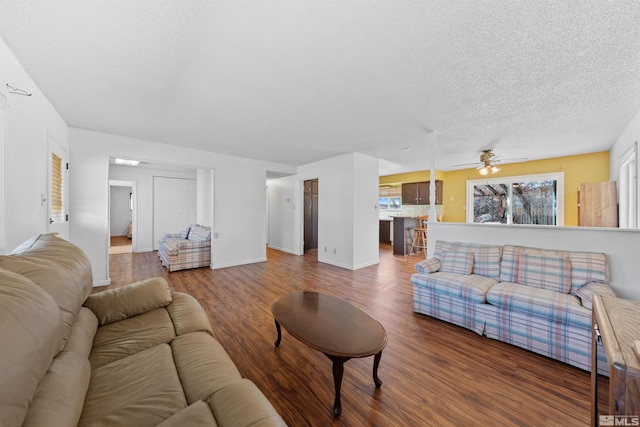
<point>586,267</point>
<point>546,272</point>
<point>194,415</point>
<point>187,315</point>
<point>470,287</point>
<point>559,307</point>
<point>120,339</point>
<point>60,271</point>
<point>242,404</point>
<point>203,365</point>
<point>199,233</point>
<point>139,390</point>
<point>185,233</point>
<point>130,300</point>
<point>486,258</point>
<point>30,336</point>
<point>460,262</point>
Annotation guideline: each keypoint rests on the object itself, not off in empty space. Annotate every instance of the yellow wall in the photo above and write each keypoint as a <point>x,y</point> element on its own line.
<point>578,169</point>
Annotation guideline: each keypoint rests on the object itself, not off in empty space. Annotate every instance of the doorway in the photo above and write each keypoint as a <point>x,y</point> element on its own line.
<point>310,214</point>
<point>121,217</point>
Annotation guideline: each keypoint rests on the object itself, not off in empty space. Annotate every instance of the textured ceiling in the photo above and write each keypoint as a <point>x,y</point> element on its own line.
<point>298,81</point>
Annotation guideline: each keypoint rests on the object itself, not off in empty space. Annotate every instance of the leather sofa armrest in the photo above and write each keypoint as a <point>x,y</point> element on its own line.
<point>130,300</point>
<point>587,291</point>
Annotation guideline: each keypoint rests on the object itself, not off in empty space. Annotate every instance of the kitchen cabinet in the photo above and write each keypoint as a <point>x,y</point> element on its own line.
<point>417,193</point>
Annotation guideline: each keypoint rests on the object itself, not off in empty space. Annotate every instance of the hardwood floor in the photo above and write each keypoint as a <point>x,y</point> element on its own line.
<point>433,373</point>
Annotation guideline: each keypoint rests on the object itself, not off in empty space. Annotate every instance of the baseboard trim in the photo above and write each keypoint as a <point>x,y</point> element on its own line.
<point>235,264</point>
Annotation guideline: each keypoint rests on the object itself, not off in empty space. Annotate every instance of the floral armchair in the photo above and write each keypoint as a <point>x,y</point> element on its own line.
<point>191,248</point>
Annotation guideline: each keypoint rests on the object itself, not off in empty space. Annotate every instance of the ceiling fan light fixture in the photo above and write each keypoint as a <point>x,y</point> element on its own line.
<point>495,169</point>
<point>483,170</point>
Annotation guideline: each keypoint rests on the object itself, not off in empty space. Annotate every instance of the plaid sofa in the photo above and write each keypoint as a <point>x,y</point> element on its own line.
<point>191,248</point>
<point>537,299</point>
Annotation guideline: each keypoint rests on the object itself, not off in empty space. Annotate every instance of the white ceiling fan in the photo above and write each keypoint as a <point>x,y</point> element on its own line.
<point>488,161</point>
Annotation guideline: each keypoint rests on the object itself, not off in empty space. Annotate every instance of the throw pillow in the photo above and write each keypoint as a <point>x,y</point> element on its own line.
<point>460,262</point>
<point>185,233</point>
<point>552,273</point>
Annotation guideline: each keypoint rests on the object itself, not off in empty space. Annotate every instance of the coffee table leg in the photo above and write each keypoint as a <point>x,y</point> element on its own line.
<point>277,343</point>
<point>376,363</point>
<point>338,370</point>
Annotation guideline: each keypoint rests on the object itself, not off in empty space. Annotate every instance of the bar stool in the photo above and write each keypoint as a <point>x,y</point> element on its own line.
<point>419,240</point>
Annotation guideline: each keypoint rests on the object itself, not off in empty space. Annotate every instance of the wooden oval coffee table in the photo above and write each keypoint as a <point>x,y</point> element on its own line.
<point>332,326</point>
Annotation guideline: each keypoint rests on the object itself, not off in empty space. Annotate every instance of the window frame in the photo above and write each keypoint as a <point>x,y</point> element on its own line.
<point>509,181</point>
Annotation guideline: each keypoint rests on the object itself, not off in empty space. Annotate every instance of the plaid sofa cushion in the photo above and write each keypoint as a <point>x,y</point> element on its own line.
<point>199,233</point>
<point>546,272</point>
<point>185,233</point>
<point>586,293</point>
<point>471,287</point>
<point>586,267</point>
<point>563,308</point>
<point>427,266</point>
<point>486,258</point>
<point>460,262</point>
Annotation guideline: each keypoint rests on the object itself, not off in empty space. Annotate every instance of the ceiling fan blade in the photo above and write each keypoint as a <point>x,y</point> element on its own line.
<point>511,160</point>
<point>466,164</point>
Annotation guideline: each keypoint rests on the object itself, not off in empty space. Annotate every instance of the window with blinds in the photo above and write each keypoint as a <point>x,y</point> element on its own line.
<point>57,188</point>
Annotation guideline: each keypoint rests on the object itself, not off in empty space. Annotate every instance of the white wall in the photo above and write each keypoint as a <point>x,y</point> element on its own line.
<point>143,177</point>
<point>239,196</point>
<point>347,219</point>
<point>627,138</point>
<point>204,215</point>
<point>120,214</point>
<point>29,121</point>
<point>621,246</point>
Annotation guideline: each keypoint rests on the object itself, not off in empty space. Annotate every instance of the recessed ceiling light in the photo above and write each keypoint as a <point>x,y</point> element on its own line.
<point>127,162</point>
<point>407,149</point>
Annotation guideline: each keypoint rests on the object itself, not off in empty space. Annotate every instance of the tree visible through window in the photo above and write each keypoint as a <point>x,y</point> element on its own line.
<point>534,199</point>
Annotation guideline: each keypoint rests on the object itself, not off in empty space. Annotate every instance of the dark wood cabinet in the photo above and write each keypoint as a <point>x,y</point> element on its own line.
<point>417,193</point>
<point>616,323</point>
<point>385,231</point>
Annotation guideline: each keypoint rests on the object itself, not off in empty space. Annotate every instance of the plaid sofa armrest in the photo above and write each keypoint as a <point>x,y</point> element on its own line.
<point>586,292</point>
<point>187,244</point>
<point>169,236</point>
<point>428,266</point>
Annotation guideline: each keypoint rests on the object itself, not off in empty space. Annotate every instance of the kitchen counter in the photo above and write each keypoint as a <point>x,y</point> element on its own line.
<point>402,226</point>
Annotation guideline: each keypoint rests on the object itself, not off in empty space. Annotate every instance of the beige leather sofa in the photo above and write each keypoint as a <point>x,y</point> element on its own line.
<point>139,355</point>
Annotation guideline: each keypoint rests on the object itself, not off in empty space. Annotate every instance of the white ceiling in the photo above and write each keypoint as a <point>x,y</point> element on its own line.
<point>299,81</point>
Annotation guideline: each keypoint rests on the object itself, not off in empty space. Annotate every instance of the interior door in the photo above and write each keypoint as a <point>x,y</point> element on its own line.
<point>174,205</point>
<point>58,190</point>
<point>311,214</point>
